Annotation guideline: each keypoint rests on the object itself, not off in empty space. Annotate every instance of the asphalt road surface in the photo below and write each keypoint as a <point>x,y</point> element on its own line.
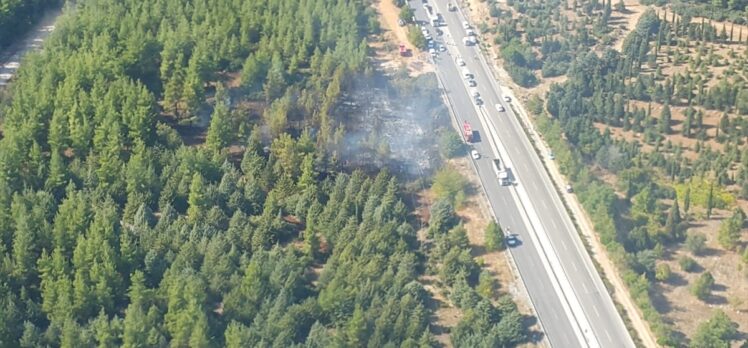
<point>559,325</point>
<point>10,57</point>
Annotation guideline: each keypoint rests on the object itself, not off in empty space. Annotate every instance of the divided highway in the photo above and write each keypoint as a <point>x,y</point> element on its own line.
<point>573,306</point>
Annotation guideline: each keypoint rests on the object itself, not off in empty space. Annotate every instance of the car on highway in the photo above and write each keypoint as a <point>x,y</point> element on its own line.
<point>474,153</point>
<point>465,25</point>
<point>466,74</point>
<point>475,93</point>
<point>500,108</point>
<point>470,32</point>
<point>472,83</point>
<point>507,99</point>
<point>469,40</point>
<point>460,62</point>
<point>451,6</point>
<point>477,101</point>
<point>511,240</point>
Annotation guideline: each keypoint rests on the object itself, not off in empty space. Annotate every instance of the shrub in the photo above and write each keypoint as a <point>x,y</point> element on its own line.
<point>450,144</point>
<point>448,183</point>
<point>702,288</point>
<point>415,36</point>
<point>406,14</point>
<point>494,237</point>
<point>486,285</point>
<point>730,230</point>
<point>695,243</point>
<point>718,331</point>
<point>663,273</point>
<point>687,264</point>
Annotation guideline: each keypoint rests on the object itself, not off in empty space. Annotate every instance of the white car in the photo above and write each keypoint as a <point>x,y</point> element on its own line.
<point>500,107</point>
<point>433,52</point>
<point>470,32</point>
<point>465,25</point>
<point>460,62</point>
<point>475,93</point>
<point>551,156</point>
<point>442,48</point>
<point>475,154</point>
<point>472,83</point>
<point>507,99</point>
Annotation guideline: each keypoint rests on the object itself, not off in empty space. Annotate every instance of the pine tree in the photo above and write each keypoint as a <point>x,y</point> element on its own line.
<point>673,219</point>
<point>356,328</point>
<point>196,200</point>
<point>710,201</point>
<point>221,130</point>
<point>173,91</point>
<point>664,121</point>
<point>308,174</point>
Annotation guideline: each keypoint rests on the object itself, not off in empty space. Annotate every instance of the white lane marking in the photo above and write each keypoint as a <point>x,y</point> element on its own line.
<point>503,200</point>
<point>564,244</point>
<point>596,312</point>
<point>545,204</point>
<point>585,288</point>
<point>575,266</point>
<point>553,222</point>
<point>608,334</point>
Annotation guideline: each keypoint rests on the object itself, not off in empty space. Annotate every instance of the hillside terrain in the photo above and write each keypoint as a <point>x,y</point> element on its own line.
<point>645,104</point>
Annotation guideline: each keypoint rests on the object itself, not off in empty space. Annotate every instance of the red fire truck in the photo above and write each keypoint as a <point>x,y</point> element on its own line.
<point>468,131</point>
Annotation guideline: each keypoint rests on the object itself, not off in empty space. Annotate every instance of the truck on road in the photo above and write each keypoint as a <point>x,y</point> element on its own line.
<point>467,131</point>
<point>502,173</point>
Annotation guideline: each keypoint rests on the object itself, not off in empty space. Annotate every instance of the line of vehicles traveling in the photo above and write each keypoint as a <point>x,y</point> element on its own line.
<point>502,172</point>
<point>436,20</point>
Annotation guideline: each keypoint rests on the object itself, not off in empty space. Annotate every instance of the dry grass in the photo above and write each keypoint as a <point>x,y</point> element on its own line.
<point>730,293</point>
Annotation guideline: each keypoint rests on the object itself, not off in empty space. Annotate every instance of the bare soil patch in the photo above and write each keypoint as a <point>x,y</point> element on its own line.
<point>386,49</point>
<point>624,22</point>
